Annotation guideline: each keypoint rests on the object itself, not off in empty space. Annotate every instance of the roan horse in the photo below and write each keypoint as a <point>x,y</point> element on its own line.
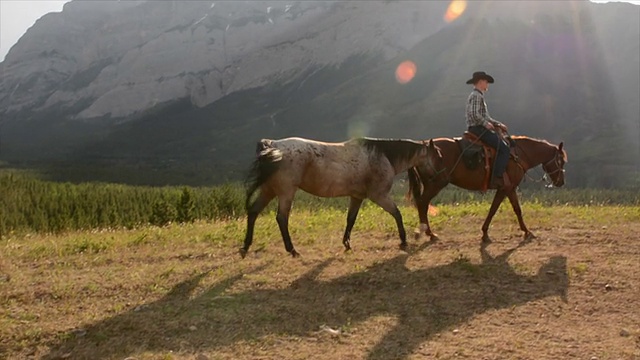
<point>359,168</point>
<point>426,181</point>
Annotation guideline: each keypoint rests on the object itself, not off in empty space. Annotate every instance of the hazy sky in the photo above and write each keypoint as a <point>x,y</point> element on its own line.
<point>16,16</point>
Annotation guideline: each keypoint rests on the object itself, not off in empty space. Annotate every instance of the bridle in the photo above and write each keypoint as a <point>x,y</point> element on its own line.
<point>556,160</point>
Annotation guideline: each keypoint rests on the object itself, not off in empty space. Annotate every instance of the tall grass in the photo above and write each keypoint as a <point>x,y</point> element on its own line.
<point>28,204</point>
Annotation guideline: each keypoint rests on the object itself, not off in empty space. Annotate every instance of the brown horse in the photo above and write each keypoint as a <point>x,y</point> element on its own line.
<point>528,154</point>
<point>359,168</point>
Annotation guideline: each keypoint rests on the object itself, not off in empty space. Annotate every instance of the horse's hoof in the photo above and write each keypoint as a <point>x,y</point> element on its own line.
<point>403,246</point>
<point>417,234</point>
<point>347,249</point>
<point>529,236</point>
<point>243,252</point>
<point>347,246</point>
<point>434,237</point>
<point>486,239</point>
<point>294,254</point>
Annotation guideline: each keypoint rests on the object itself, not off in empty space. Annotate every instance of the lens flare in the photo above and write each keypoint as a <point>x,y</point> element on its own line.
<point>406,71</point>
<point>433,211</point>
<point>455,9</point>
<point>358,128</point>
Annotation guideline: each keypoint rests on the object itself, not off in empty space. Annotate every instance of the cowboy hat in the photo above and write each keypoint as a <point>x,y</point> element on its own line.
<point>480,75</point>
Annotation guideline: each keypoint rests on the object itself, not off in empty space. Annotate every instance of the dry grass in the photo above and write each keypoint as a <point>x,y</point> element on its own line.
<point>182,292</point>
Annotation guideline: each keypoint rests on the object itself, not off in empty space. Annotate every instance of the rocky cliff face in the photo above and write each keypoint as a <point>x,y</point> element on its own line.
<point>114,59</point>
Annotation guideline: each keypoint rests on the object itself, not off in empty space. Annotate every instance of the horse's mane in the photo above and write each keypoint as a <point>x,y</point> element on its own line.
<point>522,137</point>
<point>396,150</point>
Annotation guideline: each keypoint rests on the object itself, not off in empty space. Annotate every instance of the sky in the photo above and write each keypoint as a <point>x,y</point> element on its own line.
<point>16,16</point>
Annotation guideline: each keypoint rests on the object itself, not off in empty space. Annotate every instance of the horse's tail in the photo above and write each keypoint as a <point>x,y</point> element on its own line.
<point>415,186</point>
<point>264,166</point>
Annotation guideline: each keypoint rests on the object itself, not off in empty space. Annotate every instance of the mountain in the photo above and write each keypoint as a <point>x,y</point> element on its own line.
<point>178,92</point>
<point>117,58</point>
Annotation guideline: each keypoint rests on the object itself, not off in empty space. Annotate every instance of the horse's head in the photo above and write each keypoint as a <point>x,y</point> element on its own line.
<point>555,167</point>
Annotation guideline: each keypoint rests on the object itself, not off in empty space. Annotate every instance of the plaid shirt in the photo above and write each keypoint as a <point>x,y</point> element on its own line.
<point>476,110</point>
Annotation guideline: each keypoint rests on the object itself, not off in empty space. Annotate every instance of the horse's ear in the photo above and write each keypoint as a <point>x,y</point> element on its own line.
<point>560,146</point>
<point>432,146</point>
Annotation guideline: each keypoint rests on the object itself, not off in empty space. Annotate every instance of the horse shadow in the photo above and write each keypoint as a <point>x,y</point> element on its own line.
<point>425,302</point>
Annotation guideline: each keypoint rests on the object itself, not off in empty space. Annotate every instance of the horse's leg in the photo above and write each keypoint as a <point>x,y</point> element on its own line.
<point>252,214</point>
<point>497,200</point>
<point>389,206</point>
<point>423,211</point>
<point>284,208</point>
<point>352,214</point>
<point>513,199</point>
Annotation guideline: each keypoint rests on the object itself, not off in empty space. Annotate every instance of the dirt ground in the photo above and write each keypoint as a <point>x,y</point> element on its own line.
<point>572,293</point>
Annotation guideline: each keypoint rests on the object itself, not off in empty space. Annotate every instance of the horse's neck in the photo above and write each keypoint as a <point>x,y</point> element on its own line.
<point>401,154</point>
<point>404,165</point>
<point>534,152</point>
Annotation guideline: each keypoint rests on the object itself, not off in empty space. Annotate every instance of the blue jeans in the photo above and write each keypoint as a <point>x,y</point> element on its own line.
<point>493,140</point>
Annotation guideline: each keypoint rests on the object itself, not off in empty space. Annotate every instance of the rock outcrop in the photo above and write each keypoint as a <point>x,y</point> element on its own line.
<point>114,59</point>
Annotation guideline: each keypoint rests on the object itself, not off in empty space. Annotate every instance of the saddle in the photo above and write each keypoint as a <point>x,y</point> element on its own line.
<point>476,153</point>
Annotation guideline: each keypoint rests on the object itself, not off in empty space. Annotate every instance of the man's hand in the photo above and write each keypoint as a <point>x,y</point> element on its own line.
<point>498,125</point>
<point>490,126</point>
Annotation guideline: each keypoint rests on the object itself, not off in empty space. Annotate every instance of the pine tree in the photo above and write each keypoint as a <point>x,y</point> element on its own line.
<point>186,206</point>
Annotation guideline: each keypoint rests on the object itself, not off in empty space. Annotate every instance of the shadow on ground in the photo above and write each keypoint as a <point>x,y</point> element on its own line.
<point>425,302</point>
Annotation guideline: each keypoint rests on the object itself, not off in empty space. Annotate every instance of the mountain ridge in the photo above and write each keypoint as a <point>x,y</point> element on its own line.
<point>549,61</point>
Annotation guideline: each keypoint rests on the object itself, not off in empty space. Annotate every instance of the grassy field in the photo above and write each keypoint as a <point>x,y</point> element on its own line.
<point>182,291</point>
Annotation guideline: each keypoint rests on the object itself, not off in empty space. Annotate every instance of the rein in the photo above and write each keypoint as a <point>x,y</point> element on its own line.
<point>444,169</point>
<point>436,173</point>
<point>545,176</point>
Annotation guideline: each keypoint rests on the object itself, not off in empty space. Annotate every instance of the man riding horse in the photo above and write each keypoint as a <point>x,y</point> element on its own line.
<point>452,166</point>
<point>484,126</point>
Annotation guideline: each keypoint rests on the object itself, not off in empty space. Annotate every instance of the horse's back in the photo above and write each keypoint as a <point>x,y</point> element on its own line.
<point>447,146</point>
<point>304,142</point>
<point>322,168</point>
<point>465,177</point>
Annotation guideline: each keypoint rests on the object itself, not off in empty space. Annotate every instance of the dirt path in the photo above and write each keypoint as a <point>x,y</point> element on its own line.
<point>572,293</point>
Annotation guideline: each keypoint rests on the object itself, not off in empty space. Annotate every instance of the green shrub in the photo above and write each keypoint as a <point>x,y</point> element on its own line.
<point>31,205</point>
<point>186,206</point>
<point>163,213</point>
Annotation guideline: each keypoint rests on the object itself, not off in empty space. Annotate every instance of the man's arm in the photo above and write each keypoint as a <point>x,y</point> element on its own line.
<point>479,111</point>
<point>498,124</point>
<point>483,113</point>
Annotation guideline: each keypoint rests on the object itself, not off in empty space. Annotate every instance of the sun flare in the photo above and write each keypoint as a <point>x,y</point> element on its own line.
<point>406,71</point>
<point>455,9</point>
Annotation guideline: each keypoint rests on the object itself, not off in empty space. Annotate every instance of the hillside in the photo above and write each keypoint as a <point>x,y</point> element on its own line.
<point>565,71</point>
